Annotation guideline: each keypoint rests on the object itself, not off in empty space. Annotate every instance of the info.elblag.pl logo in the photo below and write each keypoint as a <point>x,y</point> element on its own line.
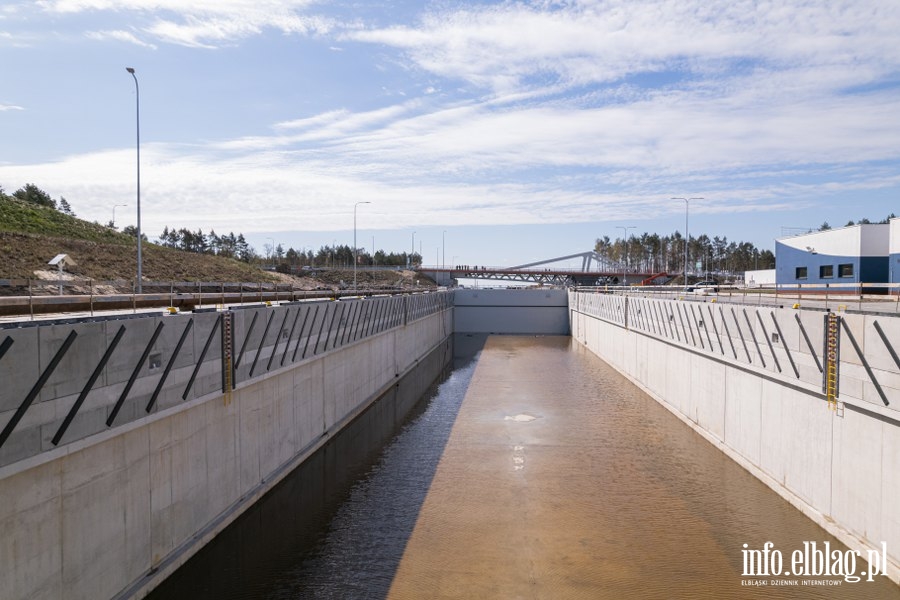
<point>814,560</point>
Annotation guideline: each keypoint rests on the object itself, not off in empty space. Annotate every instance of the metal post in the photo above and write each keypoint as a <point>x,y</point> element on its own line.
<point>137,97</point>
<point>625,246</point>
<point>687,237</point>
<point>355,250</point>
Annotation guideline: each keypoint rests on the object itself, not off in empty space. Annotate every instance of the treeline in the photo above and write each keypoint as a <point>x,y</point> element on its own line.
<point>35,195</point>
<point>652,253</point>
<point>228,245</point>
<point>277,257</point>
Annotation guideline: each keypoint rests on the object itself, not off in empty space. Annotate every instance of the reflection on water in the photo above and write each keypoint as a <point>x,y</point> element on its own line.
<point>556,478</point>
<point>336,527</point>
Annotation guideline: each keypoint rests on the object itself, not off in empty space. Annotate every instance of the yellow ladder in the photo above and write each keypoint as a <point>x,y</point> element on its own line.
<point>831,359</point>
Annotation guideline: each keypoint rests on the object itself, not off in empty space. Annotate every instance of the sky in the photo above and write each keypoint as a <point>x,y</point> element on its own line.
<point>486,133</point>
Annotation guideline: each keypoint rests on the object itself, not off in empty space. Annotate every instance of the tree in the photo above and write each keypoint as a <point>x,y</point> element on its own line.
<point>825,226</point>
<point>64,207</point>
<point>132,231</point>
<point>34,195</point>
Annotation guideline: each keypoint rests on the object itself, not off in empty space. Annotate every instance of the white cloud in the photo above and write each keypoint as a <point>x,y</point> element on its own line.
<point>204,23</point>
<point>121,36</point>
<point>589,110</point>
<point>5,107</point>
<point>513,45</point>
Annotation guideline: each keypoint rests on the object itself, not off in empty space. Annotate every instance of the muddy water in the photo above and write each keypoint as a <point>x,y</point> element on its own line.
<point>537,472</point>
<point>562,480</point>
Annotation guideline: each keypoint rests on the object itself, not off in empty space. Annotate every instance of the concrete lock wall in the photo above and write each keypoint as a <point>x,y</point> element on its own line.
<point>750,381</point>
<point>112,510</point>
<point>510,311</point>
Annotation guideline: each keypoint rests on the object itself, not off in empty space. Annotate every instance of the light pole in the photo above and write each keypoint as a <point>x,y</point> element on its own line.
<point>444,249</point>
<point>114,214</point>
<point>686,235</point>
<point>137,98</point>
<point>355,251</point>
<point>625,248</point>
<point>412,250</point>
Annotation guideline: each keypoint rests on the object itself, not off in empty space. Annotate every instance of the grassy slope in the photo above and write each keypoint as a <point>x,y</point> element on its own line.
<point>31,235</point>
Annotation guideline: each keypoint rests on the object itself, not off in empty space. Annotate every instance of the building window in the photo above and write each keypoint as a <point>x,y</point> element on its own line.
<point>826,272</point>
<point>845,270</point>
<point>800,273</point>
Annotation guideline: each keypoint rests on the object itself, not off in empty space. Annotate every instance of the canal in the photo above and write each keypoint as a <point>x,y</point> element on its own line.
<point>535,471</point>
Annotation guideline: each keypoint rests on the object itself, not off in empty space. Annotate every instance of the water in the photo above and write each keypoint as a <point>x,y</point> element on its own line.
<point>338,525</point>
<point>556,478</point>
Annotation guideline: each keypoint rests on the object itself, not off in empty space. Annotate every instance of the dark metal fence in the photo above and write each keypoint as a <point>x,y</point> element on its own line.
<point>66,379</point>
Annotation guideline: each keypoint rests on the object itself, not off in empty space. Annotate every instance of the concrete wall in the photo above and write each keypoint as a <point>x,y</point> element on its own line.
<point>511,311</point>
<point>727,372</point>
<point>112,513</point>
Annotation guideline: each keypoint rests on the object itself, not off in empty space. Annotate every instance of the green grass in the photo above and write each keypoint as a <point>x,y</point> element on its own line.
<point>23,217</point>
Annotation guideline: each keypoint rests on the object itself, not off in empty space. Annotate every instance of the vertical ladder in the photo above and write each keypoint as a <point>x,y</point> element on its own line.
<point>832,359</point>
<point>227,362</point>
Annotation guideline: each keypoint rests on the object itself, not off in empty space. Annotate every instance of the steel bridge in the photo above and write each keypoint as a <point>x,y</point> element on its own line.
<point>594,271</point>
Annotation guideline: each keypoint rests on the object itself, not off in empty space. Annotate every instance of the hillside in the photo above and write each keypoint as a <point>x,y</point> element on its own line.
<point>31,235</point>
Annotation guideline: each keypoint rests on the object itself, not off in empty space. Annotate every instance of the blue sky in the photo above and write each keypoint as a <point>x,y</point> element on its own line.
<point>500,132</point>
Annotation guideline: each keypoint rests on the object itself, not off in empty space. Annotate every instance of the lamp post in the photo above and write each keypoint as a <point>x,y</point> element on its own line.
<point>114,214</point>
<point>355,251</point>
<point>686,235</point>
<point>412,250</point>
<point>137,98</point>
<point>444,249</point>
<point>625,244</point>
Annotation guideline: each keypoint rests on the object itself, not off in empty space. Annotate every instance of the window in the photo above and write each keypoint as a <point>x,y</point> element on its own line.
<point>845,270</point>
<point>826,272</point>
<point>800,273</point>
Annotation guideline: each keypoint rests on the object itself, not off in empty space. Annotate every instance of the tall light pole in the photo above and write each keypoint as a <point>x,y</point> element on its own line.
<point>625,245</point>
<point>355,251</point>
<point>444,249</point>
<point>412,250</point>
<point>137,98</point>
<point>114,214</point>
<point>687,237</point>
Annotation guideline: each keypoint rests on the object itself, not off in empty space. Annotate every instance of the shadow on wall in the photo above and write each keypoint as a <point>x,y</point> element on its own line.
<point>338,525</point>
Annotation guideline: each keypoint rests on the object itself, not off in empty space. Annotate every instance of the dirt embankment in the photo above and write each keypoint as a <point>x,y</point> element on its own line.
<point>111,267</point>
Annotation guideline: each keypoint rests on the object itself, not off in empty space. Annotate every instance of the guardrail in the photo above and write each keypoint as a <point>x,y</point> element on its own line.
<point>883,297</point>
<point>30,296</point>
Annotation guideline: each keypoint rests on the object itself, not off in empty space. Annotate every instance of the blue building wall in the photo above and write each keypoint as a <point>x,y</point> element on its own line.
<point>894,267</point>
<point>866,269</point>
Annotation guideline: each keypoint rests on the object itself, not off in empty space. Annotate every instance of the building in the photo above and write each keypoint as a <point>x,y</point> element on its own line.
<point>894,250</point>
<point>840,258</point>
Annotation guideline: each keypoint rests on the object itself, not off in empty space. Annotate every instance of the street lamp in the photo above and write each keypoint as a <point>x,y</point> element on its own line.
<point>355,251</point>
<point>137,98</point>
<point>625,245</point>
<point>686,236</point>
<point>412,250</point>
<point>114,214</point>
